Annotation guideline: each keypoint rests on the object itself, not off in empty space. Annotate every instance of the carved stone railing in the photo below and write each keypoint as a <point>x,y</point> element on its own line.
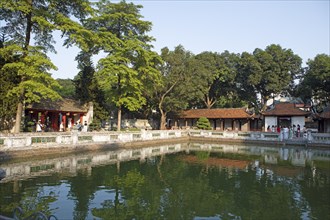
<point>26,141</point>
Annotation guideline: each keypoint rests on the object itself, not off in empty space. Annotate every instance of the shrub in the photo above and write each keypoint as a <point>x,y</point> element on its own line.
<point>94,126</point>
<point>203,123</point>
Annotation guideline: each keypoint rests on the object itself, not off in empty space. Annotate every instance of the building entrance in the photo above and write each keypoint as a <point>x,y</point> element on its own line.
<point>284,121</point>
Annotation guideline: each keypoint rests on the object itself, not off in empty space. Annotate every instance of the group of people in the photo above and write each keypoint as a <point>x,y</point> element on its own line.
<point>287,132</point>
<point>78,126</point>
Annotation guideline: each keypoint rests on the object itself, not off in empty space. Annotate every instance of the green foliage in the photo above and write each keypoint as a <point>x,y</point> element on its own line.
<point>7,104</point>
<point>271,71</point>
<point>31,71</point>
<point>203,123</point>
<point>171,95</point>
<point>87,89</point>
<point>37,20</point>
<point>315,83</point>
<point>128,70</point>
<point>214,77</point>
<point>94,126</point>
<point>29,126</point>
<point>67,89</point>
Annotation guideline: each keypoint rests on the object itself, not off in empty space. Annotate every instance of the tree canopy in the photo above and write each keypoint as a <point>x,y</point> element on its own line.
<point>129,66</point>
<point>315,83</point>
<point>29,26</point>
<point>131,76</point>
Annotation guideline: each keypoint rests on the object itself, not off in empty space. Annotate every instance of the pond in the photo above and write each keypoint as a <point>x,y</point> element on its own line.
<point>173,181</point>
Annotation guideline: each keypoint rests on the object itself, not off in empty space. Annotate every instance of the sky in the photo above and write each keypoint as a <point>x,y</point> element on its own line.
<point>217,25</point>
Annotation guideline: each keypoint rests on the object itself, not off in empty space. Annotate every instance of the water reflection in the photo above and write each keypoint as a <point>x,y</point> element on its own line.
<point>177,181</point>
<point>71,164</point>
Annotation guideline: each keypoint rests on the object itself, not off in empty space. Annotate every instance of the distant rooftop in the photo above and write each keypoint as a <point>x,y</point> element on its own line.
<point>216,113</point>
<point>286,109</point>
<point>64,105</point>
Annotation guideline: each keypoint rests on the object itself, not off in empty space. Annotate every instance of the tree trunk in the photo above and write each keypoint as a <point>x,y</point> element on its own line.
<point>119,119</point>
<point>264,105</point>
<point>162,120</point>
<point>208,102</point>
<point>18,120</point>
<point>162,114</point>
<point>28,31</point>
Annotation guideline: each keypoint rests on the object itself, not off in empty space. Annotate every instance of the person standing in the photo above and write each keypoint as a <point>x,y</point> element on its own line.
<point>61,127</point>
<point>294,129</point>
<point>290,132</point>
<point>79,126</point>
<point>85,126</point>
<point>285,133</point>
<point>279,129</point>
<point>39,126</point>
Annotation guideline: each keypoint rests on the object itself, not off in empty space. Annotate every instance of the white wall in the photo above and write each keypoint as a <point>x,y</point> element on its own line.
<point>295,120</point>
<point>270,121</point>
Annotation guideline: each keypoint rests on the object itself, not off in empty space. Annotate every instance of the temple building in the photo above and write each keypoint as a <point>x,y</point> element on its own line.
<point>286,114</point>
<point>53,113</point>
<point>324,120</point>
<point>223,119</point>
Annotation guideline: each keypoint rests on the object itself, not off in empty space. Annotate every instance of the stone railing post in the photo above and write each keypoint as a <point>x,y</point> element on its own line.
<point>74,137</point>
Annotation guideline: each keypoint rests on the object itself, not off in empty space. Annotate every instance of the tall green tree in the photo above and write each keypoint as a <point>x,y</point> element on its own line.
<point>315,83</point>
<point>67,89</point>
<point>225,87</point>
<point>171,95</point>
<point>247,66</point>
<point>86,87</point>
<point>273,71</point>
<point>29,25</point>
<point>213,78</point>
<point>129,66</point>
<point>7,82</point>
<point>205,67</point>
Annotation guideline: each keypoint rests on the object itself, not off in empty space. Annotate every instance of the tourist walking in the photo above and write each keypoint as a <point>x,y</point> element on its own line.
<point>39,126</point>
<point>290,132</point>
<point>285,132</point>
<point>85,126</point>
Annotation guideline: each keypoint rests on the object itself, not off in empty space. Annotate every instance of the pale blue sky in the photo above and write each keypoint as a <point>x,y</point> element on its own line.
<point>236,26</point>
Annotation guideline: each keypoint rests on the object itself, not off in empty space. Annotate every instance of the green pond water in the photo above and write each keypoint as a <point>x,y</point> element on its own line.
<point>174,181</point>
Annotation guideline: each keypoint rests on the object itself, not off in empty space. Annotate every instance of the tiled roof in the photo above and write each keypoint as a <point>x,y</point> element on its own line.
<point>325,113</point>
<point>64,105</point>
<point>285,109</point>
<point>216,113</point>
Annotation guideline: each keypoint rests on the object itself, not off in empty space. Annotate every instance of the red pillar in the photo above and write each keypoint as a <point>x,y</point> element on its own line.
<point>81,119</point>
<point>42,117</point>
<point>54,117</point>
<point>64,122</point>
<point>72,120</point>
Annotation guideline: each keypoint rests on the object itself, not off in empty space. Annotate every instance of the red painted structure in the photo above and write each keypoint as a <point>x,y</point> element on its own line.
<point>52,113</point>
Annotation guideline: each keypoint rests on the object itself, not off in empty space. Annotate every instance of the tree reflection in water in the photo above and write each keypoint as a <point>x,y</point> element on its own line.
<point>255,183</point>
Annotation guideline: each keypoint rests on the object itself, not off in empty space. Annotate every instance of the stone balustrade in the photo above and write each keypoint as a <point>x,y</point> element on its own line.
<point>25,141</point>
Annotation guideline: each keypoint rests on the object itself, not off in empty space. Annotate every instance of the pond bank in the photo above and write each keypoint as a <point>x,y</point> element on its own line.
<point>30,144</point>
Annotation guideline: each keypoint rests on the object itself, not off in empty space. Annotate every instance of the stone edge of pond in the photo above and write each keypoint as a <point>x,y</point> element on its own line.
<point>29,152</point>
<point>87,147</point>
